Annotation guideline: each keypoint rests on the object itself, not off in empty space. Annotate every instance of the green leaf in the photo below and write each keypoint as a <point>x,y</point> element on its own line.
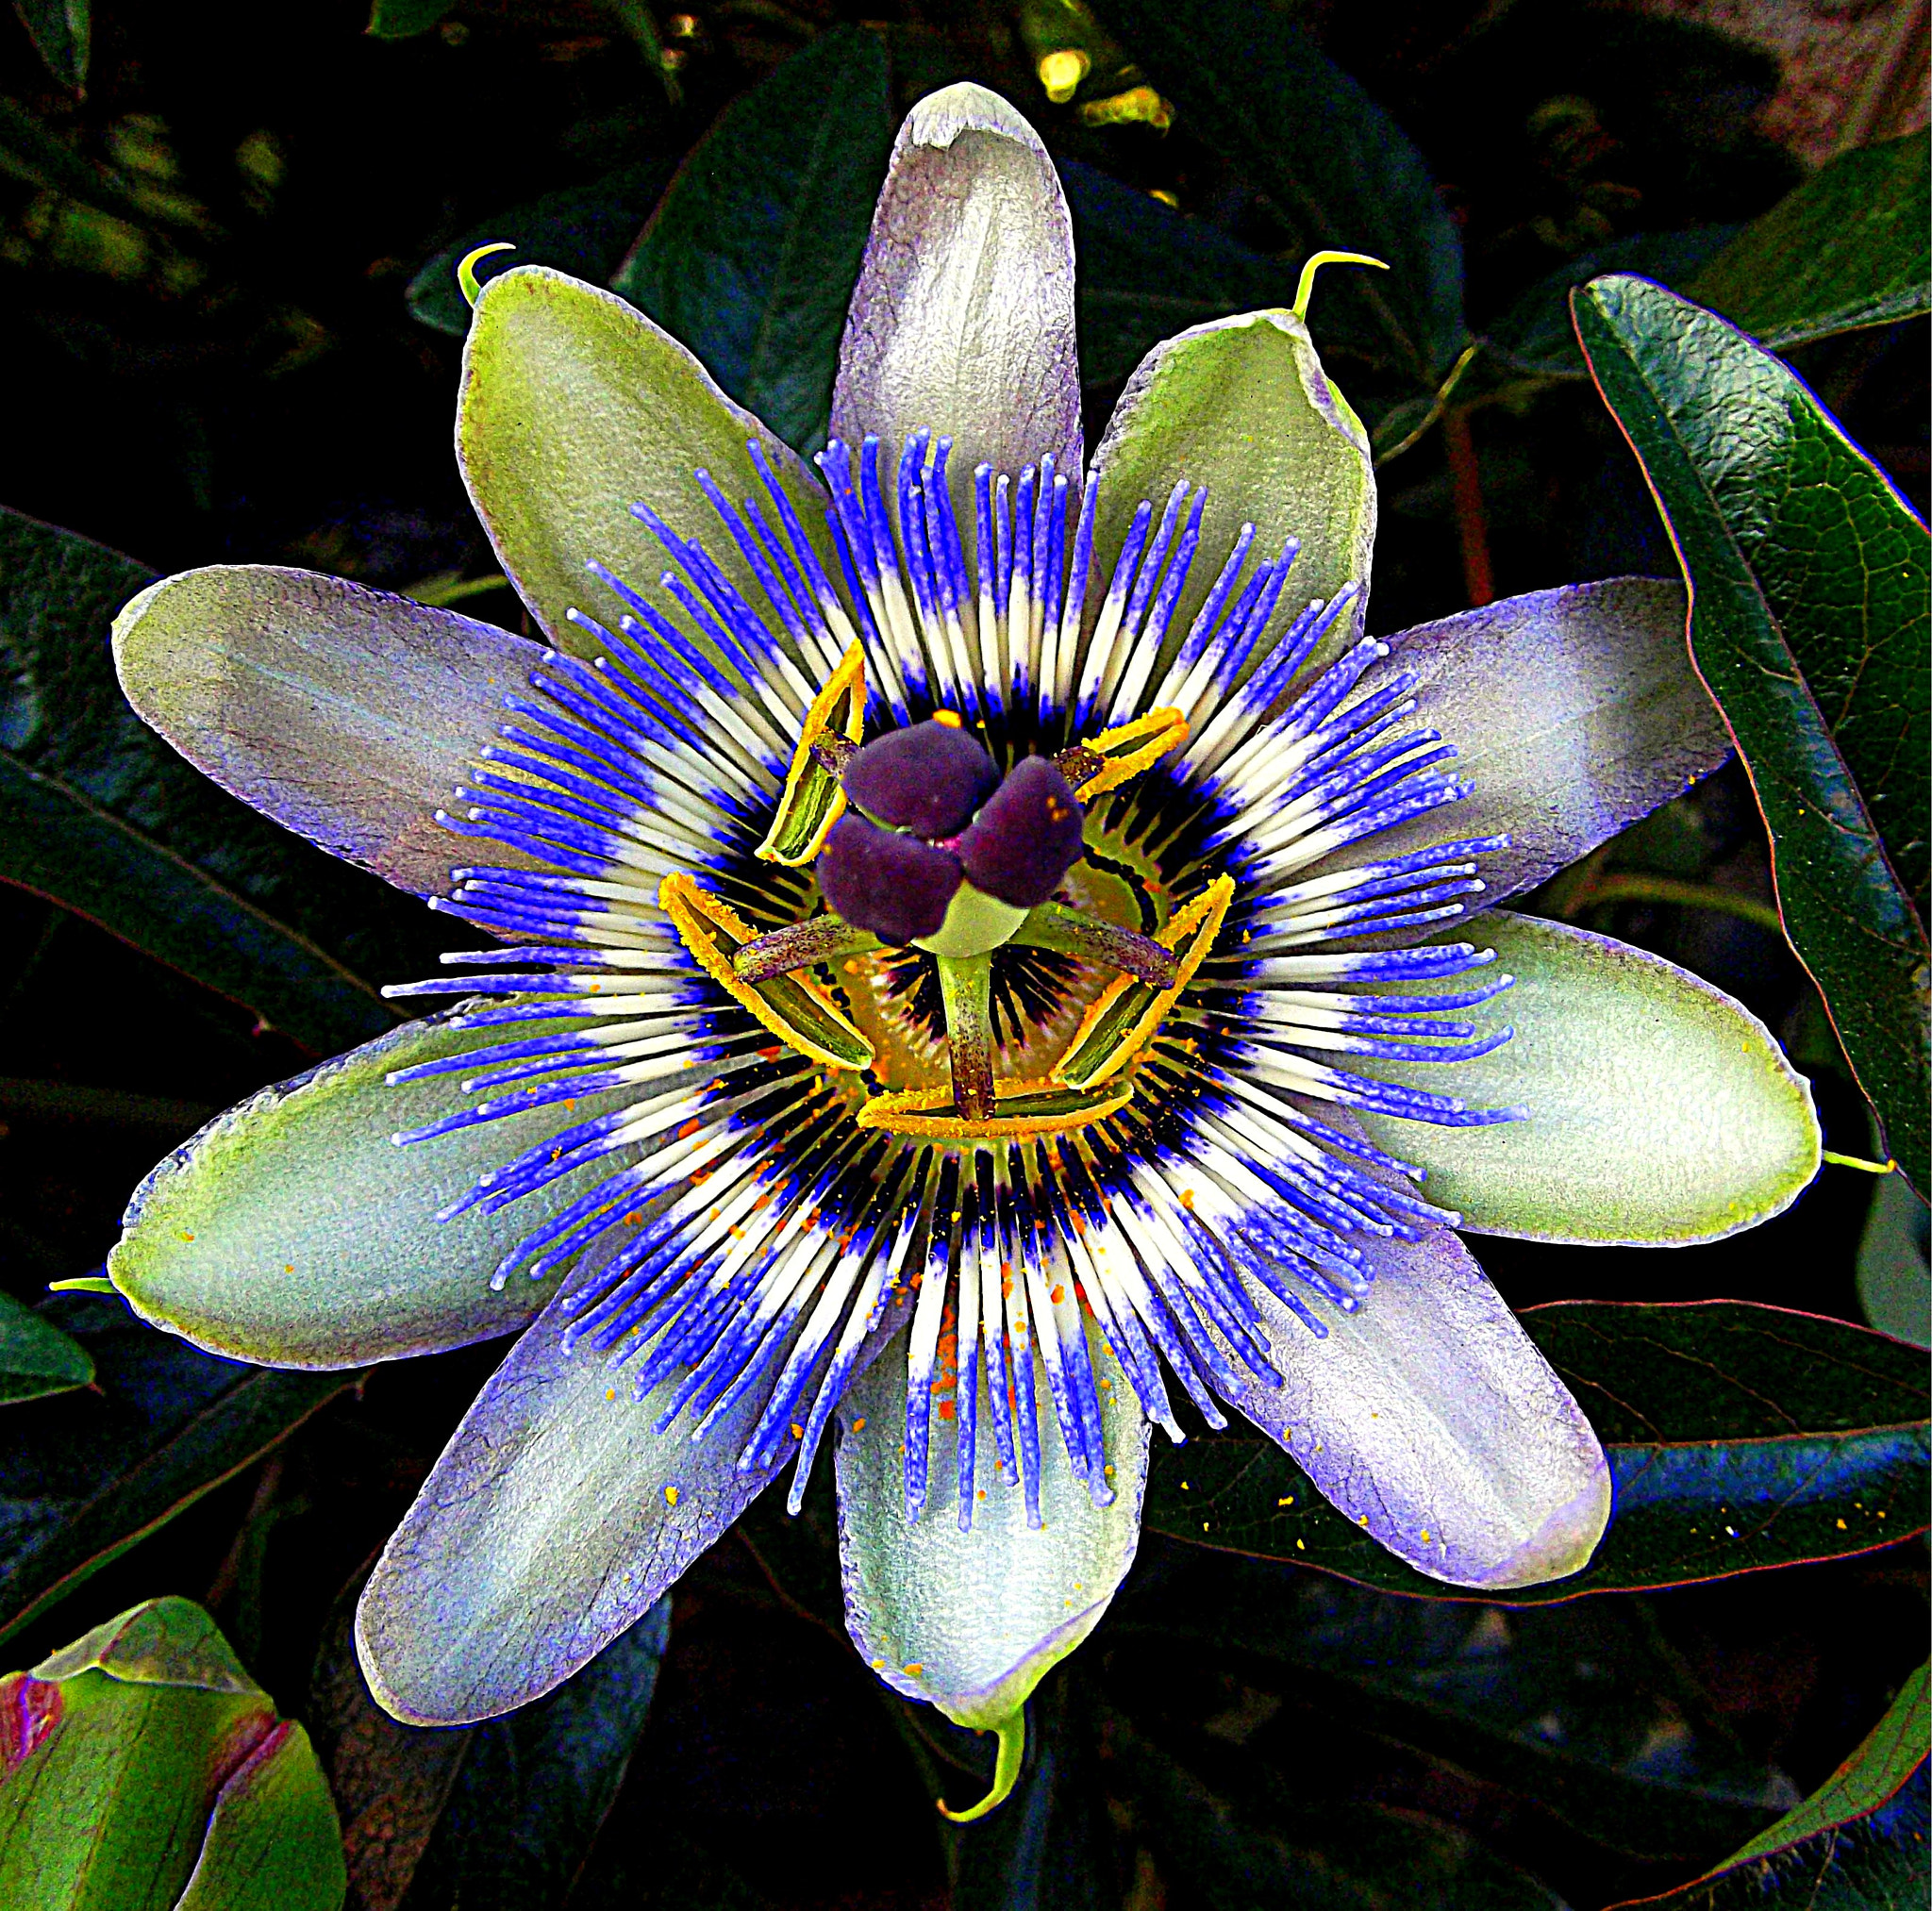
<point>1739,1437</point>
<point>1581,1708</point>
<point>1851,248</point>
<point>82,1478</point>
<point>1894,1282</point>
<point>1838,1851</point>
<point>97,813</point>
<point>1809,624</point>
<point>36,1358</point>
<point>404,19</point>
<point>1242,1837</point>
<point>1535,335</point>
<point>583,230</point>
<point>54,841</point>
<point>1147,272</point>
<point>60,31</point>
<point>144,1763</point>
<point>752,258</point>
<point>1886,1758</point>
<point>1250,81</point>
<point>273,1843</point>
<point>494,1814</point>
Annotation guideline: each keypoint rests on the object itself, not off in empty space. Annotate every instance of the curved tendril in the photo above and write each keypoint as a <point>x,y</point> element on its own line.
<point>467,281</point>
<point>1005,1772</point>
<point>1304,289</point>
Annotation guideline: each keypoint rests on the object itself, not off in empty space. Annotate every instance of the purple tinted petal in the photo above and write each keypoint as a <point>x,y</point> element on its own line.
<point>1574,713</point>
<point>962,319</point>
<point>346,715</point>
<point>1430,1419</point>
<point>553,1520</point>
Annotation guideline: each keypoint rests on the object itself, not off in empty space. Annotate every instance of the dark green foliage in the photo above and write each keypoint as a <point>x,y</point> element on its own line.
<point>1339,170</point>
<point>82,1478</point>
<point>1851,248</point>
<point>1809,624</point>
<point>754,253</point>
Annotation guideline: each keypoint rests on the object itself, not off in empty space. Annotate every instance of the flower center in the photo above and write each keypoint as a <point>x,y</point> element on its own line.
<point>947,945</point>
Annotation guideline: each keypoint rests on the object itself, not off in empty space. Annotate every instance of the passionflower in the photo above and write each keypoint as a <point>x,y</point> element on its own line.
<point>982,949</point>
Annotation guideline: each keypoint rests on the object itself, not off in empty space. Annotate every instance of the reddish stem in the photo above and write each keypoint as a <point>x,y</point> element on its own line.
<point>1466,488</point>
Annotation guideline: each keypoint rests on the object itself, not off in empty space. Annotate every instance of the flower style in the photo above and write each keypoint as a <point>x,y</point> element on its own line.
<point>981,942</point>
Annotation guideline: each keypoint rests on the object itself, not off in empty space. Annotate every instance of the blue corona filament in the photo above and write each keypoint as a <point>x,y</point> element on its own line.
<point>724,1234</point>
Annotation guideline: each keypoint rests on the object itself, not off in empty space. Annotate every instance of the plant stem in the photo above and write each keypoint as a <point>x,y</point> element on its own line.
<point>1471,522</point>
<point>1646,889</point>
<point>966,989</point>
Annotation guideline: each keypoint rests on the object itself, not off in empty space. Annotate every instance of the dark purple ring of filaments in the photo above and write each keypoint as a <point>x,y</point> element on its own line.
<point>752,1239</point>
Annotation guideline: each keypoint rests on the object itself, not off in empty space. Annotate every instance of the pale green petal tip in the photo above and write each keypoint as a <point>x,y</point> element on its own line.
<point>984,1708</point>
<point>1005,1770</point>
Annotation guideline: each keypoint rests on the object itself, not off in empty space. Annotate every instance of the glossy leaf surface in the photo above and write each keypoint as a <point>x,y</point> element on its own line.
<point>1535,334</point>
<point>99,814</point>
<point>753,255</point>
<point>36,1356</point>
<point>1250,80</point>
<point>1579,1707</point>
<point>1809,577</point>
<point>1242,1838</point>
<point>83,1477</point>
<point>1851,248</point>
<point>147,1769</point>
<point>1739,1437</point>
<point>1871,1863</point>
